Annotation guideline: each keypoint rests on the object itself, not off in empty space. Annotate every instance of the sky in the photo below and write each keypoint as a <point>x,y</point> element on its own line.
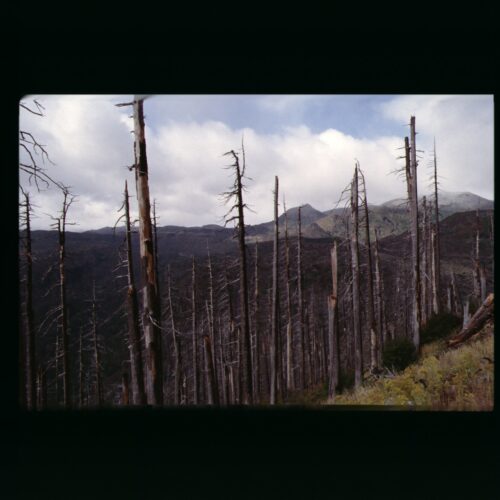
<point>311,142</point>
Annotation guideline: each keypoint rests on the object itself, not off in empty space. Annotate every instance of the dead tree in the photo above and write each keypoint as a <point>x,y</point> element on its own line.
<point>480,317</point>
<point>196,389</point>
<point>356,312</point>
<point>300,301</point>
<point>211,310</point>
<point>134,333</point>
<point>257,340</point>
<point>275,294</point>
<point>61,224</point>
<point>434,271</point>
<point>482,281</point>
<point>125,389</point>
<point>372,328</point>
<point>379,312</point>
<point>333,336</point>
<point>477,261</point>
<point>176,343</point>
<point>30,359</point>
<point>423,267</point>
<point>457,305</point>
<point>411,179</point>
<point>212,379</point>
<point>97,355</point>
<point>236,194</point>
<point>80,371</point>
<point>436,287</point>
<point>289,336</point>
<point>150,312</point>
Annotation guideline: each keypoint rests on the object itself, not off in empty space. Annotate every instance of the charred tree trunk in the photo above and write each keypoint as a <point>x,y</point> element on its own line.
<point>125,389</point>
<point>80,371</point>
<point>275,298</point>
<point>411,179</point>
<point>289,336</point>
<point>212,380</point>
<point>256,362</point>
<point>482,280</point>
<point>31,360</point>
<point>134,333</point>
<point>477,262</point>
<point>436,247</point>
<point>246,371</point>
<point>423,274</point>
<point>457,305</point>
<point>333,336</point>
<point>211,312</point>
<point>481,316</point>
<point>151,306</point>
<point>380,300</point>
<point>356,312</point>
<point>176,344</point>
<point>374,333</point>
<point>196,390</point>
<point>97,355</point>
<point>302,358</point>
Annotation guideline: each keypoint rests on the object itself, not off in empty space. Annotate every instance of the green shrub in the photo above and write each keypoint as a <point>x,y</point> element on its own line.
<point>439,326</point>
<point>346,380</point>
<point>398,354</point>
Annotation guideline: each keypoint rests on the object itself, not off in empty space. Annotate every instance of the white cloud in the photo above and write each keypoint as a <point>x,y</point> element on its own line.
<point>463,128</point>
<point>90,141</point>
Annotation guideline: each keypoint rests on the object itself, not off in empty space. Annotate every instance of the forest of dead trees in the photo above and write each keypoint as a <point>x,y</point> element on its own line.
<point>241,330</point>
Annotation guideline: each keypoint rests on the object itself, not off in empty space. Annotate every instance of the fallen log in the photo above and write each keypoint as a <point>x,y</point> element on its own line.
<point>481,316</point>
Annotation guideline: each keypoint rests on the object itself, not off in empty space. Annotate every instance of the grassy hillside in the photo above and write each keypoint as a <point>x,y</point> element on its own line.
<point>442,379</point>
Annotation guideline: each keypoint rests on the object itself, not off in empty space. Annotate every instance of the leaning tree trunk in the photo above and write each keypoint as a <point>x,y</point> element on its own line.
<point>481,316</point>
<point>333,336</point>
<point>150,313</point>
<point>356,312</point>
<point>134,333</point>
<point>275,298</point>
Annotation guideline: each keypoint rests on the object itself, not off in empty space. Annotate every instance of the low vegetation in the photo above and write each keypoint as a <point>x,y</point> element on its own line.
<point>443,379</point>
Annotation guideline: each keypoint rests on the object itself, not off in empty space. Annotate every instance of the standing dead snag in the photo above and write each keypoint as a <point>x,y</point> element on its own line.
<point>237,194</point>
<point>212,380</point>
<point>356,312</point>
<point>97,357</point>
<point>125,389</point>
<point>196,389</point>
<point>176,344</point>
<point>289,336</point>
<point>275,298</point>
<point>372,328</point>
<point>134,334</point>
<point>30,359</point>
<point>380,300</point>
<point>256,361</point>
<point>150,313</point>
<point>302,359</point>
<point>333,336</point>
<point>61,223</point>
<point>436,250</point>
<point>411,179</point>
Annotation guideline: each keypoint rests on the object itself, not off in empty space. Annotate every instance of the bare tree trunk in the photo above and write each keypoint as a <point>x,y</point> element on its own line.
<point>196,389</point>
<point>134,334</point>
<point>41,384</point>
<point>333,337</point>
<point>246,371</point>
<point>482,279</point>
<point>356,312</point>
<point>380,300</point>
<point>125,389</point>
<point>457,305</point>
<point>435,292</point>
<point>374,333</point>
<point>289,336</point>
<point>477,262</point>
<point>150,313</point>
<point>466,313</point>
<point>80,372</point>
<point>302,360</point>
<point>212,380</point>
<point>480,317</point>
<point>275,298</point>
<point>97,357</point>
<point>436,247</point>
<point>411,178</point>
<point>423,275</point>
<point>211,311</point>
<point>176,344</point>
<point>56,370</point>
<point>256,362</point>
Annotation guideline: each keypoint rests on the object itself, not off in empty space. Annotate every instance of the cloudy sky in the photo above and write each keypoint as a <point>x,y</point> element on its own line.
<point>310,141</point>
